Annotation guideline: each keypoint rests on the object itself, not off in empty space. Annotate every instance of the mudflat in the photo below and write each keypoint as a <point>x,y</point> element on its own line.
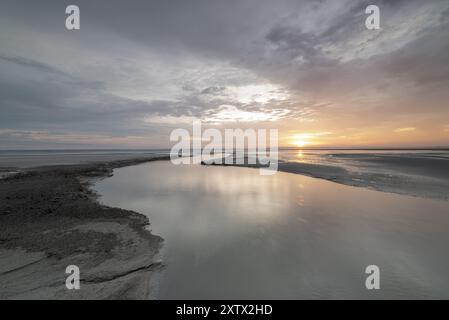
<point>50,219</point>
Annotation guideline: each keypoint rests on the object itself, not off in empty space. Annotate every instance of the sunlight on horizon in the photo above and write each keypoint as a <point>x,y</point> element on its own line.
<point>302,140</point>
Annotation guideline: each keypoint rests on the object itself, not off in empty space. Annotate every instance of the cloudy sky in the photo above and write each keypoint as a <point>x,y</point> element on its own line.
<point>138,69</point>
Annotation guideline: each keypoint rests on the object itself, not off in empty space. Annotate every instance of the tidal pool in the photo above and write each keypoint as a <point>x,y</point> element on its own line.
<point>231,233</point>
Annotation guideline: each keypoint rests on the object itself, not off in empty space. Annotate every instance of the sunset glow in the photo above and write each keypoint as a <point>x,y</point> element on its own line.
<point>313,72</point>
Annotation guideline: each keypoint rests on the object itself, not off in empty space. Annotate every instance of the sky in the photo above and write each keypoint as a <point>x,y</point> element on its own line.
<point>136,70</point>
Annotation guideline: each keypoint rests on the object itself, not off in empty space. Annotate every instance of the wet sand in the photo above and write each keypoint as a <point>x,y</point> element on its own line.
<point>407,174</point>
<point>50,218</point>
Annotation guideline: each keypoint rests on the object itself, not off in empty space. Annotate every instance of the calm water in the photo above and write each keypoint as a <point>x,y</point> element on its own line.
<point>35,158</point>
<point>231,233</point>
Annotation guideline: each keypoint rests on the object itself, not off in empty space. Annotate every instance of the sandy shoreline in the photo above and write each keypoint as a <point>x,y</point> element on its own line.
<point>49,219</point>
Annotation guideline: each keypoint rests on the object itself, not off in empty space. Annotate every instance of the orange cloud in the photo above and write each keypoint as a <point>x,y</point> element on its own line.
<point>408,129</point>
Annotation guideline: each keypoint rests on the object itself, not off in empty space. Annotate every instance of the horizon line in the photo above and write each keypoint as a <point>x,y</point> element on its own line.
<point>444,148</point>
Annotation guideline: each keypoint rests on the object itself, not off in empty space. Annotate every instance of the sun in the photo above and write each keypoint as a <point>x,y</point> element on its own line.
<point>300,143</point>
<point>300,140</point>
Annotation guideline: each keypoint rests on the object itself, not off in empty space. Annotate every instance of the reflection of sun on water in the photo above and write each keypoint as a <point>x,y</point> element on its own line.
<point>300,157</point>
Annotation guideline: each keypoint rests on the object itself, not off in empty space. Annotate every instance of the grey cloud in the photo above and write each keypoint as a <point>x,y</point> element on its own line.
<point>301,61</point>
<point>25,62</point>
<point>91,80</point>
<point>425,60</point>
<point>293,43</point>
<point>67,102</point>
<point>213,90</point>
